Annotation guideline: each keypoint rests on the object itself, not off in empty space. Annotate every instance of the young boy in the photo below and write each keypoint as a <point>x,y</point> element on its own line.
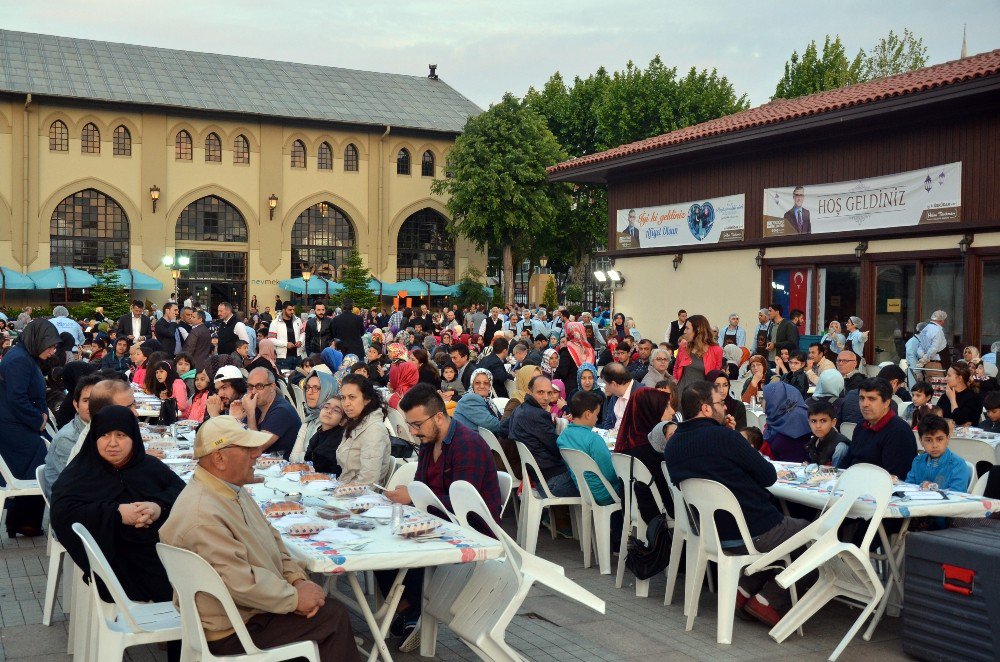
<point>826,442</point>
<point>922,392</point>
<point>991,403</point>
<point>755,437</point>
<point>240,354</point>
<point>796,375</point>
<point>585,406</point>
<point>937,464</point>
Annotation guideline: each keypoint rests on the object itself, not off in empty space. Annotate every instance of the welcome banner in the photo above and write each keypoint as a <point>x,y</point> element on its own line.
<point>683,224</point>
<point>929,195</point>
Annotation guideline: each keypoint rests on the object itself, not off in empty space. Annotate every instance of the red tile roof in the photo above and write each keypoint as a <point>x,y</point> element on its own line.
<point>783,110</point>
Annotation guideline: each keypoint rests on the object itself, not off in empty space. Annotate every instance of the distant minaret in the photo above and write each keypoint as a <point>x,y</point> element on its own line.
<point>965,46</point>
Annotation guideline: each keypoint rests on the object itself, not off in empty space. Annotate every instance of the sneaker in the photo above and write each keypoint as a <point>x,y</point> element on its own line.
<point>763,612</point>
<point>412,640</point>
<point>742,597</point>
<point>402,624</point>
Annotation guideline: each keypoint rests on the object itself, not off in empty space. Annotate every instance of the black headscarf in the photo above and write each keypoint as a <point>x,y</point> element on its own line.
<point>71,374</point>
<point>38,336</point>
<point>90,490</point>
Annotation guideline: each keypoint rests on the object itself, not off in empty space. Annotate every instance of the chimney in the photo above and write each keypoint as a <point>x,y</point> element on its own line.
<point>433,74</point>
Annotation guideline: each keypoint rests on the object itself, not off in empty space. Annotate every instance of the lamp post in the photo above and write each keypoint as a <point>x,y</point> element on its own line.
<point>182,262</point>
<point>306,275</point>
<point>272,202</point>
<point>154,195</point>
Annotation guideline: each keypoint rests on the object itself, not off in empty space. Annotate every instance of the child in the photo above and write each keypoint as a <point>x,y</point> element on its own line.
<point>756,439</point>
<point>827,445</point>
<point>557,399</point>
<point>922,392</point>
<point>450,383</point>
<point>321,450</point>
<point>169,385</point>
<point>203,389</point>
<point>796,375</point>
<point>185,370</point>
<point>241,354</point>
<point>579,435</point>
<point>937,464</point>
<point>991,403</point>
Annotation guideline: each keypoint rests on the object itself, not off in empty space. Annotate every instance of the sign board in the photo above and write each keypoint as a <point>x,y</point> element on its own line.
<point>711,221</point>
<point>893,305</point>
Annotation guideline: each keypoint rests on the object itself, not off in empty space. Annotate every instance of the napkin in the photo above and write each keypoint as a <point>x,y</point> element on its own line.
<point>379,512</point>
<point>924,496</point>
<point>336,535</point>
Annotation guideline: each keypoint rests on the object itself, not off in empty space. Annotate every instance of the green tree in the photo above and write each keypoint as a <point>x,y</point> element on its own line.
<point>354,277</point>
<point>109,292</point>
<point>815,72</point>
<point>550,298</point>
<point>498,192</point>
<point>895,54</point>
<point>470,289</point>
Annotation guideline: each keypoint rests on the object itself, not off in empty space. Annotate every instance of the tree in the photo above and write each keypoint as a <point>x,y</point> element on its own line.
<point>354,277</point>
<point>895,54</point>
<point>813,72</point>
<point>470,289</point>
<point>498,192</point>
<point>550,298</point>
<point>109,292</point>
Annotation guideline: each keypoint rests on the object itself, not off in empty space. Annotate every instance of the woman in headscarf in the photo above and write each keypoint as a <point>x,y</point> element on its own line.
<point>521,379</point>
<point>332,357</point>
<point>575,354</point>
<point>557,401</point>
<point>318,388</point>
<point>345,369</point>
<point>267,357</point>
<point>645,410</point>
<point>322,446</point>
<point>759,375</point>
<point>476,408</point>
<point>122,496</point>
<point>734,407</point>
<point>23,412</point>
<point>397,352</point>
<point>402,377</point>
<point>830,387</point>
<point>72,372</point>
<point>550,362</point>
<point>733,356</point>
<point>787,429</point>
<point>833,340</point>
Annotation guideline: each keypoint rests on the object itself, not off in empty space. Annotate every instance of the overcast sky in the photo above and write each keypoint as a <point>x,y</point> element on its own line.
<point>484,49</point>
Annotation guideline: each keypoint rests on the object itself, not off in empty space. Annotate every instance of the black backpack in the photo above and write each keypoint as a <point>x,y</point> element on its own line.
<point>645,561</point>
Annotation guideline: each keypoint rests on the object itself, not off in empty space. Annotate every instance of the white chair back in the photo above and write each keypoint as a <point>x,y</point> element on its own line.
<point>506,485</point>
<point>973,450</point>
<point>972,476</point>
<point>403,475</point>
<point>858,481</point>
<point>99,567</point>
<point>494,444</point>
<point>979,489</point>
<point>583,465</point>
<point>705,498</point>
<point>682,516</point>
<point>424,499</point>
<point>500,403</point>
<point>528,460</point>
<point>398,426</point>
<point>299,400</point>
<point>626,463</point>
<point>847,429</point>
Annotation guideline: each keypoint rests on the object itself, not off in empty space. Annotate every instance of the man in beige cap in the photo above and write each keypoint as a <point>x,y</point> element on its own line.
<point>217,519</point>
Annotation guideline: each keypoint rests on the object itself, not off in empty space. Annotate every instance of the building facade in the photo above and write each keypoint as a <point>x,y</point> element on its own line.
<point>192,163</point>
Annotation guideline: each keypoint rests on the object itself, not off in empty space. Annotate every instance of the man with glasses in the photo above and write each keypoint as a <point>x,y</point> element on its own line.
<point>850,409</point>
<point>797,217</point>
<point>266,410</point>
<point>704,447</point>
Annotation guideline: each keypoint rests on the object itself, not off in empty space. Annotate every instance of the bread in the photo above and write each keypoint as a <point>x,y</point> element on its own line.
<point>281,508</point>
<point>308,478</point>
<point>292,467</point>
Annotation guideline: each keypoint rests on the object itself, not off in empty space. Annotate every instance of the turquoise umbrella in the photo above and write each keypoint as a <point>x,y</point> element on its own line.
<point>136,280</point>
<point>317,285</point>
<point>13,280</point>
<point>416,287</point>
<point>64,277</point>
<point>453,290</point>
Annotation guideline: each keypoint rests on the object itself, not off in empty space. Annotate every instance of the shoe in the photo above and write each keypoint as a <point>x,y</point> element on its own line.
<point>398,626</point>
<point>742,597</point>
<point>764,613</point>
<point>412,640</point>
<point>26,531</point>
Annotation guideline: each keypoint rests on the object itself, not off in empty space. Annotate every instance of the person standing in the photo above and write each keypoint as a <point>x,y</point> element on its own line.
<point>786,334</point>
<point>733,334</point>
<point>319,334</point>
<point>348,327</point>
<point>166,330</point>
<point>23,414</point>
<point>66,324</point>
<point>136,327</point>
<point>698,355</point>
<point>199,341</point>
<point>762,336</point>
<point>288,337</point>
<point>677,328</point>
<point>230,329</point>
<point>932,342</point>
<point>491,325</point>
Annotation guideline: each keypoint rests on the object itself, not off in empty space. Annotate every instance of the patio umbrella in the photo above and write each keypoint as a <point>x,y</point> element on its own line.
<point>13,280</point>
<point>64,277</point>
<point>317,285</point>
<point>378,287</point>
<point>136,280</point>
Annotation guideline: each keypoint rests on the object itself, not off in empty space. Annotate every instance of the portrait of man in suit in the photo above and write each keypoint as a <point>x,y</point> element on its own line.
<point>798,216</point>
<point>629,237</point>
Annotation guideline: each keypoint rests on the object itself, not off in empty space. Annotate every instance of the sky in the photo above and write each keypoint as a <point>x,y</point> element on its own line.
<point>484,49</point>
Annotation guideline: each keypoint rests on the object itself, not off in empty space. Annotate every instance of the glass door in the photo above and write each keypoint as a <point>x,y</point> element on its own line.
<point>839,295</point>
<point>895,311</point>
<point>942,288</point>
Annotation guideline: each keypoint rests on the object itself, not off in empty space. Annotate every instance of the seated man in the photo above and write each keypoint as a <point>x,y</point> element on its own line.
<point>703,447</point>
<point>268,411</point>
<point>218,520</point>
<point>230,387</point>
<point>884,439</point>
<point>64,440</point>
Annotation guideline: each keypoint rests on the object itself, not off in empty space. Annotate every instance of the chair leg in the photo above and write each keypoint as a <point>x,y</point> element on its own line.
<point>805,608</point>
<point>51,586</point>
<point>729,578</point>
<point>602,529</point>
<point>676,548</point>
<point>622,554</point>
<point>532,519</point>
<point>693,582</point>
<point>853,631</point>
<point>587,516</point>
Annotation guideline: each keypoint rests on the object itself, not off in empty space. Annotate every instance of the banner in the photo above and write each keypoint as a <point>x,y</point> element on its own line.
<point>930,195</point>
<point>684,224</point>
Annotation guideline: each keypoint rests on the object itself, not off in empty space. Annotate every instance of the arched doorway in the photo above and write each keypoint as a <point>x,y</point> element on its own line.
<point>322,239</point>
<point>425,249</point>
<point>213,276</point>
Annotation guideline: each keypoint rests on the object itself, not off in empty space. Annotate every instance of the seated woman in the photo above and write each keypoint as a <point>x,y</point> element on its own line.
<point>644,411</point>
<point>787,430</point>
<point>402,377</point>
<point>365,453</point>
<point>203,388</point>
<point>267,357</point>
<point>318,388</point>
<point>734,407</point>
<point>169,385</point>
<point>521,379</point>
<point>122,496</point>
<point>960,402</point>
<point>759,376</point>
<point>428,374</point>
<point>476,408</point>
<point>322,446</point>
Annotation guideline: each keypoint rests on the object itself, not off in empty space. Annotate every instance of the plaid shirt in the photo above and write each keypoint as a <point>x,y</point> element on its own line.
<point>396,319</point>
<point>464,456</point>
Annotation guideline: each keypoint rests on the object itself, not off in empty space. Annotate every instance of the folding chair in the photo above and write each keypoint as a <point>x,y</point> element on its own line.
<point>494,444</point>
<point>534,502</point>
<point>595,519</point>
<point>624,464</point>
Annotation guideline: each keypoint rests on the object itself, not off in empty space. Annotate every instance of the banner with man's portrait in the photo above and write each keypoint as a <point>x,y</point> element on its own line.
<point>683,224</point>
<point>929,195</point>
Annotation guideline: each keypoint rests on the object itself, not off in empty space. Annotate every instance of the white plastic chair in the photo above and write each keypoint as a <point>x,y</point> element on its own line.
<point>57,564</point>
<point>424,499</point>
<point>494,444</point>
<point>595,520</point>
<point>404,474</point>
<point>534,501</point>
<point>500,403</point>
<point>124,622</point>
<point>398,425</point>
<point>706,497</point>
<point>506,482</point>
<point>684,535</point>
<point>973,450</point>
<point>847,429</point>
<point>972,476</point>
<point>632,519</point>
<point>511,386</point>
<point>16,487</point>
<point>979,489</point>
<point>844,569</point>
<point>192,575</point>
<point>50,423</point>
<point>299,400</point>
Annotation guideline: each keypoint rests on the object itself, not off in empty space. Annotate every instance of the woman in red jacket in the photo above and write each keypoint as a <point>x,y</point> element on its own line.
<point>699,353</point>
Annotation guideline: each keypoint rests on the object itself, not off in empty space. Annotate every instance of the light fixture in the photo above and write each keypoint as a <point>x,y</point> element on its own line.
<point>760,258</point>
<point>184,261</point>
<point>677,260</point>
<point>324,208</point>
<point>615,276</point>
<point>964,244</point>
<point>272,202</point>
<point>167,260</point>
<point>600,277</point>
<point>861,249</point>
<point>306,275</point>
<point>543,261</point>
<point>154,195</point>
<point>175,274</point>
<point>928,184</point>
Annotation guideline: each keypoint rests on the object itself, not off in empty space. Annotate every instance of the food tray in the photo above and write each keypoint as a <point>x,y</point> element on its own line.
<point>349,491</point>
<point>282,508</point>
<point>417,526</point>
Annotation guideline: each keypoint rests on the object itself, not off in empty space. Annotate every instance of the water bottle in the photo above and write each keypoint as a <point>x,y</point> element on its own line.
<point>397,516</point>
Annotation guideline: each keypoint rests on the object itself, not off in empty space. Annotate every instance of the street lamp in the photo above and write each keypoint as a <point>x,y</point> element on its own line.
<point>272,202</point>
<point>543,261</point>
<point>182,262</point>
<point>154,195</point>
<point>306,275</point>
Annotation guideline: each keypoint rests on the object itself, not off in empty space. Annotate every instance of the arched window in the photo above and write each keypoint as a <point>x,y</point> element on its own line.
<point>211,219</point>
<point>86,228</point>
<point>427,164</point>
<point>351,158</point>
<point>122,141</point>
<point>403,162</point>
<point>241,150</point>
<point>182,146</point>
<point>298,154</point>
<point>425,249</point>
<point>90,139</point>
<point>58,137</point>
<point>213,148</point>
<point>322,238</point>
<point>324,157</point>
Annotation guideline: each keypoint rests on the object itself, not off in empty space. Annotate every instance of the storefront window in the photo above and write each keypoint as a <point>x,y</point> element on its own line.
<point>839,295</point>
<point>942,289</point>
<point>792,289</point>
<point>895,311</point>
<point>987,307</point>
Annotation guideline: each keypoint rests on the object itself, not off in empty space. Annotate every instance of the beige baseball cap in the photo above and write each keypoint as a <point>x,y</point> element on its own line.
<point>222,431</point>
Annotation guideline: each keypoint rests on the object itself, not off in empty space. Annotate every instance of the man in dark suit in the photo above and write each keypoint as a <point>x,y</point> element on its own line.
<point>349,328</point>
<point>798,216</point>
<point>134,327</point>
<point>629,237</point>
<point>166,329</point>
<point>318,333</point>
<point>199,341</point>
<point>677,328</point>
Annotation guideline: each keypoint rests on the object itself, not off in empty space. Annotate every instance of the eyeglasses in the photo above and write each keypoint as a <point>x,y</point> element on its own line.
<point>846,360</point>
<point>258,387</point>
<point>415,425</point>
<point>309,389</point>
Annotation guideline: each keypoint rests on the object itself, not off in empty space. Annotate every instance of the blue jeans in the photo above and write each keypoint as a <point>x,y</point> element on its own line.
<point>563,485</point>
<point>290,363</point>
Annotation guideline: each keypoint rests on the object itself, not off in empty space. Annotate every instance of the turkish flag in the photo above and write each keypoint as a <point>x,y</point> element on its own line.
<point>798,296</point>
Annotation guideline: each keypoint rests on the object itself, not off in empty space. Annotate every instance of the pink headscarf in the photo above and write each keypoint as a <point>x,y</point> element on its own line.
<point>581,350</point>
<point>266,350</point>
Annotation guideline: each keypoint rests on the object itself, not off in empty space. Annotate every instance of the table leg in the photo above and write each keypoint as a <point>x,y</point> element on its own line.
<point>895,577</point>
<point>428,624</point>
<point>377,629</point>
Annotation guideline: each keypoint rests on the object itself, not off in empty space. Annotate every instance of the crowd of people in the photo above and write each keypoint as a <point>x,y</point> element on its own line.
<point>546,381</point>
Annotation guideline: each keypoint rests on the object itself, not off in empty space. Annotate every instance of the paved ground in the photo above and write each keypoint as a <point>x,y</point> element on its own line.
<point>548,628</point>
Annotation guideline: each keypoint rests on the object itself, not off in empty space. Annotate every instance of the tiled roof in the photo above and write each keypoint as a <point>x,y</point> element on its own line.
<point>106,71</point>
<point>783,110</point>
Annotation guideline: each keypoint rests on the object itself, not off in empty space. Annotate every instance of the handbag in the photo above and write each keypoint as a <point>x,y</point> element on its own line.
<point>168,412</point>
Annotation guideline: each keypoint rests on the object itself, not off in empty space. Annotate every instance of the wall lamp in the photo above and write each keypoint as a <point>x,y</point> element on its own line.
<point>272,202</point>
<point>760,258</point>
<point>966,241</point>
<point>861,249</point>
<point>677,260</point>
<point>154,195</point>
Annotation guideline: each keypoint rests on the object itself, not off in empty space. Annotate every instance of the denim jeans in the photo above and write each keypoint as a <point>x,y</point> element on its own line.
<point>289,363</point>
<point>563,485</point>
